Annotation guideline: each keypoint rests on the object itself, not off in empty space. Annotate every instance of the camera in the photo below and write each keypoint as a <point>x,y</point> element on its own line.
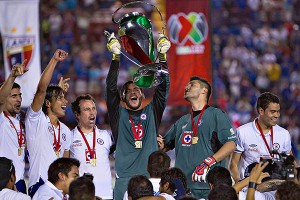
<point>281,166</point>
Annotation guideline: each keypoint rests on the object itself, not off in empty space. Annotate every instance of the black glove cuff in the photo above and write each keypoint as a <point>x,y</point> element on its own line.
<point>116,57</point>
<point>162,57</point>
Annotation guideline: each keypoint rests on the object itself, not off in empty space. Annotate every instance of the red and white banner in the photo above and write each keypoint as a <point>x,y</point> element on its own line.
<point>190,53</point>
<point>19,26</point>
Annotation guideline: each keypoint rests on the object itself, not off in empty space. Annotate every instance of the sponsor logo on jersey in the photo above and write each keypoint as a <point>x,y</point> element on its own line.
<point>187,138</point>
<point>77,143</point>
<point>253,148</point>
<point>253,145</point>
<point>100,141</point>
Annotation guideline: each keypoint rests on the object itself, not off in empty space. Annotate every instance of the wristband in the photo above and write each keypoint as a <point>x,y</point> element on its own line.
<point>252,185</point>
<point>116,57</point>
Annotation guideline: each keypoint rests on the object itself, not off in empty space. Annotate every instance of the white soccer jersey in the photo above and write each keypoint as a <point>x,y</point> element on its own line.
<point>252,146</point>
<point>258,195</point>
<point>9,143</point>
<point>101,172</point>
<point>40,139</point>
<point>48,191</point>
<point>8,194</point>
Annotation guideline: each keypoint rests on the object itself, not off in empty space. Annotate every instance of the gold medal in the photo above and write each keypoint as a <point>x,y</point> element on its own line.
<point>93,162</point>
<point>57,154</point>
<point>19,151</point>
<point>138,144</point>
<point>194,140</point>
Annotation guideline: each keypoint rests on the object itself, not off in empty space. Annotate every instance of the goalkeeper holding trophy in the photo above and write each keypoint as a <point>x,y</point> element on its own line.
<point>134,127</point>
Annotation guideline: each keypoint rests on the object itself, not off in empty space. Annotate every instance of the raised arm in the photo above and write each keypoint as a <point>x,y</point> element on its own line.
<point>45,79</point>
<point>17,70</point>
<point>161,91</point>
<point>112,96</point>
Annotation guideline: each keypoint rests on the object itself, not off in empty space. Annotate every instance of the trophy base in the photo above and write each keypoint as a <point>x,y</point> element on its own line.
<point>150,75</point>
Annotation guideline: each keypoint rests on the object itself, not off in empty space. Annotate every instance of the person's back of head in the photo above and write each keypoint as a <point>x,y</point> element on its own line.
<point>173,180</point>
<point>224,192</point>
<point>7,173</point>
<point>288,190</point>
<point>187,198</point>
<point>82,189</point>
<point>158,161</point>
<point>219,175</point>
<point>139,186</point>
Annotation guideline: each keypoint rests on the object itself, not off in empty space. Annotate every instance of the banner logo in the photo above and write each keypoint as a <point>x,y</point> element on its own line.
<point>18,49</point>
<point>188,32</point>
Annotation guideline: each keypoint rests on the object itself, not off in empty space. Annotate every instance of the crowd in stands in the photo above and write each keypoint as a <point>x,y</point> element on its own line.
<point>256,48</point>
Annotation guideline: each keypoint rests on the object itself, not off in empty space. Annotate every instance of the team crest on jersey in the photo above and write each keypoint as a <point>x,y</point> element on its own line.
<point>100,141</point>
<point>143,116</point>
<point>50,129</point>
<point>187,138</point>
<point>19,49</point>
<point>276,146</point>
<point>63,136</point>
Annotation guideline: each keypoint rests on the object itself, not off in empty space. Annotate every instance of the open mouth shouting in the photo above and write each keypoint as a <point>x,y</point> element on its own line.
<point>64,108</point>
<point>92,119</point>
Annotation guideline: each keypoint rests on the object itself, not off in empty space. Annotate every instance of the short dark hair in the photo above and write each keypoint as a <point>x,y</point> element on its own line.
<point>204,83</point>
<point>15,85</point>
<point>224,192</point>
<point>288,190</point>
<point>82,188</point>
<point>265,99</point>
<point>63,165</point>
<point>219,175</point>
<point>139,186</point>
<point>7,168</point>
<point>186,197</point>
<point>52,91</point>
<point>174,176</point>
<point>75,105</point>
<point>158,161</point>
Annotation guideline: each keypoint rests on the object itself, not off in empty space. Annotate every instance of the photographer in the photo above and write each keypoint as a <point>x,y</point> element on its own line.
<point>260,138</point>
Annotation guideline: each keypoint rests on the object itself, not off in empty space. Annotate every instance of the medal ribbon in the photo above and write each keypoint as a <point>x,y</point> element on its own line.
<point>92,151</point>
<point>134,131</point>
<point>264,138</point>
<point>21,135</point>
<point>195,129</point>
<point>56,142</point>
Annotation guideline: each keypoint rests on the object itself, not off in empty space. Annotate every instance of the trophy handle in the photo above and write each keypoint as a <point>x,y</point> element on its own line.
<point>141,2</point>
